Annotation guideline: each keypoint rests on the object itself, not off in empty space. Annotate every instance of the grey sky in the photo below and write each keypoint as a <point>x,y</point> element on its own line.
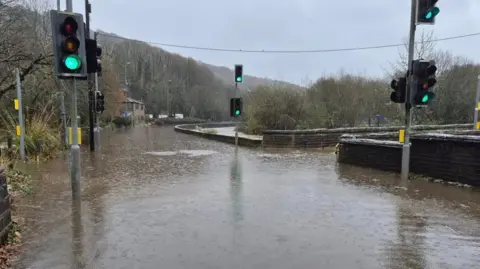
<point>285,24</point>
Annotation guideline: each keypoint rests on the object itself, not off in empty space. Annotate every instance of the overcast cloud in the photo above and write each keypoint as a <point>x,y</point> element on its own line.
<point>289,25</point>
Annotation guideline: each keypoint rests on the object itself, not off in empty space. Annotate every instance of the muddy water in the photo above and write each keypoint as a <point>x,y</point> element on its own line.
<point>153,198</point>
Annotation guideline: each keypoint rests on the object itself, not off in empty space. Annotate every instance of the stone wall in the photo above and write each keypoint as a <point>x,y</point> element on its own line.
<point>320,138</point>
<point>242,141</point>
<point>450,157</point>
<point>5,213</point>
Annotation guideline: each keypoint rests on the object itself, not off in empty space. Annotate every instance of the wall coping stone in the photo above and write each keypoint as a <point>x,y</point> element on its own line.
<point>373,142</point>
<point>448,137</point>
<point>366,129</point>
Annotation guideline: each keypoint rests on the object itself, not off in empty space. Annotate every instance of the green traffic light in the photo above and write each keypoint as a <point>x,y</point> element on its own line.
<point>239,79</point>
<point>432,13</point>
<point>72,62</point>
<point>237,112</point>
<point>425,98</point>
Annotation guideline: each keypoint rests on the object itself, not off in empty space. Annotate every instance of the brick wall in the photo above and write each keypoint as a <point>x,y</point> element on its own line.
<point>5,214</point>
<point>455,158</point>
<point>448,157</point>
<point>319,138</point>
<point>382,155</point>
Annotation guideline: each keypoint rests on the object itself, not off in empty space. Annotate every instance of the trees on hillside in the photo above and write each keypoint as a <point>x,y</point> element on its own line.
<point>157,76</point>
<point>347,100</point>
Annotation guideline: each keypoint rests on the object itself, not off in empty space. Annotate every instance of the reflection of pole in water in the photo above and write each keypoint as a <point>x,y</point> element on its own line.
<point>97,208</point>
<point>147,138</point>
<point>407,252</point>
<point>236,188</point>
<point>77,233</point>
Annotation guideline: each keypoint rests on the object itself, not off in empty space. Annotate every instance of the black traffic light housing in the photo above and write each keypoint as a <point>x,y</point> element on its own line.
<point>236,106</point>
<point>90,47</point>
<point>94,53</point>
<point>68,43</point>
<point>99,60</point>
<point>423,82</point>
<point>400,89</point>
<point>238,73</point>
<point>99,102</point>
<point>426,11</point>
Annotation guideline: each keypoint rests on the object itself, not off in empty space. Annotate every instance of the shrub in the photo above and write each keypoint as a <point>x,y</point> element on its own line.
<point>38,130</point>
<point>120,121</point>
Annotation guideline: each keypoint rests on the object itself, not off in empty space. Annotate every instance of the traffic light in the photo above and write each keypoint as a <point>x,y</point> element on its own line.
<point>400,89</point>
<point>236,107</point>
<point>426,11</point>
<point>99,102</point>
<point>99,60</point>
<point>238,73</point>
<point>94,52</point>
<point>423,82</point>
<point>68,40</point>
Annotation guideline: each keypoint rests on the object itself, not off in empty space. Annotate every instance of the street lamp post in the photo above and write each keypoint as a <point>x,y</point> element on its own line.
<point>168,98</point>
<point>126,88</point>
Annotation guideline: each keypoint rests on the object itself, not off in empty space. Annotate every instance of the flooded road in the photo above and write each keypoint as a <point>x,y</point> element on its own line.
<point>154,198</point>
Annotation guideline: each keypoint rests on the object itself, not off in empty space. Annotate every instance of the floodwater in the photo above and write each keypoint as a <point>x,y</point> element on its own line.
<point>154,198</point>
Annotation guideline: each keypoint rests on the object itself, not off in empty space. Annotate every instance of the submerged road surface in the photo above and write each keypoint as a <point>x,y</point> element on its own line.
<point>154,199</point>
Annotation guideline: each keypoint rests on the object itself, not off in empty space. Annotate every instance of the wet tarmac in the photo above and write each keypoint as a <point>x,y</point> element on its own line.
<point>154,198</point>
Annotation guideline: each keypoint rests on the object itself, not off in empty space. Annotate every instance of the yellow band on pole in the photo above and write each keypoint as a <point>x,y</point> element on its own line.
<point>79,135</point>
<point>401,136</point>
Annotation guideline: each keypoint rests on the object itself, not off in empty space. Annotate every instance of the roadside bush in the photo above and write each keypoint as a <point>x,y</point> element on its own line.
<point>274,107</point>
<point>38,130</point>
<point>122,121</point>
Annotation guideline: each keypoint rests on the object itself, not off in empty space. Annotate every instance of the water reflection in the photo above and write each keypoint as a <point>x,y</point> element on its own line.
<point>408,250</point>
<point>455,197</point>
<point>431,219</point>
<point>77,233</point>
<point>236,188</point>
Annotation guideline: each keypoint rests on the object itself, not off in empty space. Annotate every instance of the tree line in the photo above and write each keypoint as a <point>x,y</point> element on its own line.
<point>347,100</point>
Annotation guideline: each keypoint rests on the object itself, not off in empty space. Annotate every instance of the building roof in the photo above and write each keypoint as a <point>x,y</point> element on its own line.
<point>131,100</point>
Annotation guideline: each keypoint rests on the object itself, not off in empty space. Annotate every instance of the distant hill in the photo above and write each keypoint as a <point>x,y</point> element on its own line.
<point>226,75</point>
<point>222,73</point>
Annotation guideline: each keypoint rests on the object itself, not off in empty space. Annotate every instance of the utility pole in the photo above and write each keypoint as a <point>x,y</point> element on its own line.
<point>168,98</point>
<point>91,96</point>
<point>476,125</point>
<point>408,99</point>
<point>126,88</point>
<point>20,115</point>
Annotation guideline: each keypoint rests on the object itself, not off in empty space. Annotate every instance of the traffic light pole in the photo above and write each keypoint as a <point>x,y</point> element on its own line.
<point>96,130</point>
<point>409,92</point>
<point>97,126</point>
<point>237,121</point>
<point>74,149</point>
<point>91,112</point>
